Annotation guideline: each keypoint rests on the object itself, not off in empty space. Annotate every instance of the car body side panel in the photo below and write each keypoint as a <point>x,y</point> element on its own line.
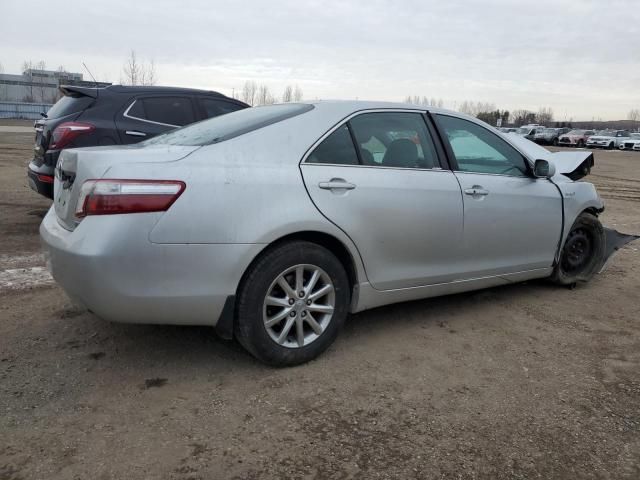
<point>108,265</point>
<point>370,297</point>
<point>515,227</point>
<point>391,215</point>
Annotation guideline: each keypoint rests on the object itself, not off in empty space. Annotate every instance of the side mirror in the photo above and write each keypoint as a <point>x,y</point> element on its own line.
<point>544,169</point>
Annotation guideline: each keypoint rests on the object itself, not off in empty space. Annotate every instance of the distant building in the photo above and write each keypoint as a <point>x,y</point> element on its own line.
<point>39,86</point>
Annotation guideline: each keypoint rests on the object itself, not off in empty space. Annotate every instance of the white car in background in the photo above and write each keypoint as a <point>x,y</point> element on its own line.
<point>631,143</point>
<point>609,139</point>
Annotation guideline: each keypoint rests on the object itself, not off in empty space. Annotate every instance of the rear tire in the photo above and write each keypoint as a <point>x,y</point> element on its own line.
<point>281,320</point>
<point>580,144</point>
<point>582,252</point>
<point>555,142</point>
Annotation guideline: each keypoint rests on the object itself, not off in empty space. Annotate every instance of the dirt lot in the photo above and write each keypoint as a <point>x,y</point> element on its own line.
<point>526,381</point>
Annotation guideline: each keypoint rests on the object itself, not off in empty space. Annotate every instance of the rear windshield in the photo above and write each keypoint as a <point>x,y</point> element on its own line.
<point>68,105</point>
<point>225,127</point>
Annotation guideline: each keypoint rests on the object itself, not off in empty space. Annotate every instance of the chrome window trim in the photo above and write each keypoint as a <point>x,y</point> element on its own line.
<point>126,114</point>
<point>434,169</point>
<point>498,175</point>
<point>345,120</point>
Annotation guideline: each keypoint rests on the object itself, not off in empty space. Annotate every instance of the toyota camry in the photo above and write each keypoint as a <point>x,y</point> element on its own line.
<point>273,223</point>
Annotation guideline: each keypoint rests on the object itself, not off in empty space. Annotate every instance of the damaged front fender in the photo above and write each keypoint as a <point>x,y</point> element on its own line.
<point>614,242</point>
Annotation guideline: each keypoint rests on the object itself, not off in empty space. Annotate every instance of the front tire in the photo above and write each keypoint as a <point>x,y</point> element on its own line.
<point>292,303</point>
<point>582,253</point>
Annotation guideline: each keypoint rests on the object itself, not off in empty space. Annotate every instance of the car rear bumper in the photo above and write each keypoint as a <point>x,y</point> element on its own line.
<point>108,265</point>
<point>40,179</point>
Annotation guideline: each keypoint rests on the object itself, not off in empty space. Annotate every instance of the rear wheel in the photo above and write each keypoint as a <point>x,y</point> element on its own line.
<point>555,142</point>
<point>292,303</point>
<point>580,144</point>
<point>582,252</point>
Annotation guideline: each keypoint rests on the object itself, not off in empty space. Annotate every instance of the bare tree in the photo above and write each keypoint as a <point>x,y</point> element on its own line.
<point>297,94</point>
<point>287,96</point>
<point>148,75</point>
<point>249,92</point>
<point>138,73</point>
<point>545,115</point>
<point>634,116</point>
<point>131,70</point>
<point>264,96</point>
<point>424,100</point>
<point>522,117</point>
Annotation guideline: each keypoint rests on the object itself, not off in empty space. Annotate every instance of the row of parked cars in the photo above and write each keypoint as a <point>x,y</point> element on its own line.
<point>609,139</point>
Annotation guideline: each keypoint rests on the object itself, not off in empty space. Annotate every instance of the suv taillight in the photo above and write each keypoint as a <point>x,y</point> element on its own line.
<point>114,196</point>
<point>66,132</point>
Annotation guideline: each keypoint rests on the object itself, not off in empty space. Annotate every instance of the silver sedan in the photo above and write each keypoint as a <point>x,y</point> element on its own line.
<point>273,223</point>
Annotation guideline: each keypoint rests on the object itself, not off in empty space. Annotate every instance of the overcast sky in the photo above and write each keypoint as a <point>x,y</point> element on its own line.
<point>580,57</point>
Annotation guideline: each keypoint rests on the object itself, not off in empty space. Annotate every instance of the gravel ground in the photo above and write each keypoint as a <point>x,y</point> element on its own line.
<point>525,381</point>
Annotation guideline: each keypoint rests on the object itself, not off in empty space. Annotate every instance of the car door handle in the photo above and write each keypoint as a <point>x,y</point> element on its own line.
<point>135,133</point>
<point>336,184</point>
<point>476,190</point>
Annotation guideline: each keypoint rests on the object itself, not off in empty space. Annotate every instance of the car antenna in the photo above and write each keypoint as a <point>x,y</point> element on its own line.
<point>90,74</point>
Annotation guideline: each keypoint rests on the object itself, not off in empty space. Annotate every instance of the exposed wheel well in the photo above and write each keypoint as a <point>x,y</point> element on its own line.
<point>593,211</point>
<point>226,323</point>
<point>329,242</point>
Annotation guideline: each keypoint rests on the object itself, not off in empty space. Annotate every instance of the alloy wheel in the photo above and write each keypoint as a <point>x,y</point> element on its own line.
<point>299,306</point>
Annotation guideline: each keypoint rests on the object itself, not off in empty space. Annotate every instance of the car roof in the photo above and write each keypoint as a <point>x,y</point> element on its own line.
<point>159,89</point>
<point>140,89</point>
<point>346,107</point>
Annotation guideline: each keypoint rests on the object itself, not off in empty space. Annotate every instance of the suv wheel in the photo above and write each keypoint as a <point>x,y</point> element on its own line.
<point>292,303</point>
<point>582,252</point>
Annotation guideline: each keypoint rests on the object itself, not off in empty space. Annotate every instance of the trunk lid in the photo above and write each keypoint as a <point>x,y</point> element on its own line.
<point>77,165</point>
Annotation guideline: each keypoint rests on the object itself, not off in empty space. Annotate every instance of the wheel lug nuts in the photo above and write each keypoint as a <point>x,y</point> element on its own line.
<point>291,301</point>
<point>304,314</point>
<point>292,314</point>
<point>308,302</point>
<point>301,293</point>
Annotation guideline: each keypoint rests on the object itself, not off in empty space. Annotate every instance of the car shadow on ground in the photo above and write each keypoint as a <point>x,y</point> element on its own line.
<point>186,347</point>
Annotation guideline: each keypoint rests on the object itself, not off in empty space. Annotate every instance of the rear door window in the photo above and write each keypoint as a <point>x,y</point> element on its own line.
<point>213,107</point>
<point>394,139</point>
<point>171,111</point>
<point>336,149</point>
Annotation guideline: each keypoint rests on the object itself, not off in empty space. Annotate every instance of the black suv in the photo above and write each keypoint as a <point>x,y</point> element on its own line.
<point>115,115</point>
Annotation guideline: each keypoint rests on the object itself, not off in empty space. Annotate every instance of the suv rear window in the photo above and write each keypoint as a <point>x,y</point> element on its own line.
<point>69,104</point>
<point>231,125</point>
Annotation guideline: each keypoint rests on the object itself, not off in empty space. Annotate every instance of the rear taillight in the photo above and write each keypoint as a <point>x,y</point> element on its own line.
<point>111,196</point>
<point>66,132</point>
